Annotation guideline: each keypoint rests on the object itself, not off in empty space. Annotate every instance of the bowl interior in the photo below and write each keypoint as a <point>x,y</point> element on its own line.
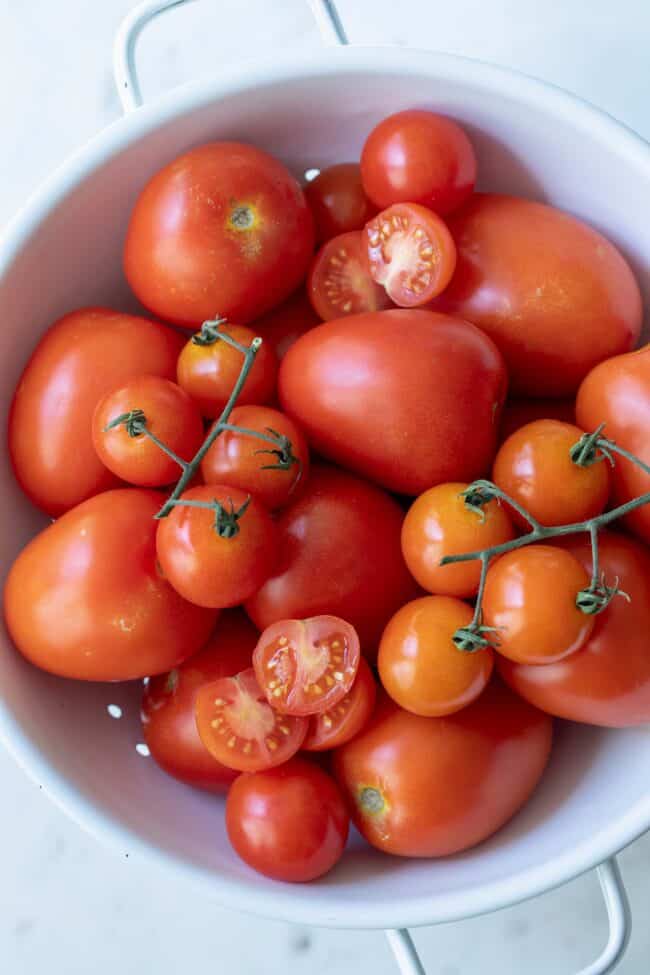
<point>65,252</point>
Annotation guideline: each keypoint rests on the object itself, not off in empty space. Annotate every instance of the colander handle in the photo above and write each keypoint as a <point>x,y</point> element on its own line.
<point>618,914</point>
<point>124,65</point>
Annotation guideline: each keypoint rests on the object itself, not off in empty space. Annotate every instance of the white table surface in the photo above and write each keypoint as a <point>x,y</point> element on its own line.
<point>68,906</point>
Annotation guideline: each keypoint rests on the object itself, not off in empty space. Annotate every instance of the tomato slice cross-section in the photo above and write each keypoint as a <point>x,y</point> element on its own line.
<point>339,281</point>
<point>344,720</point>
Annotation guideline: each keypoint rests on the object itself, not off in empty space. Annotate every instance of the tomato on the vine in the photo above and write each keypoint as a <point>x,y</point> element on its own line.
<point>339,281</point>
<point>337,201</point>
<point>341,723</point>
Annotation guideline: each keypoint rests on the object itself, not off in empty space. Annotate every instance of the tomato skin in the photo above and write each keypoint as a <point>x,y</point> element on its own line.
<point>429,787</point>
<point>420,157</point>
<point>339,281</point>
<point>518,412</point>
<point>282,326</point>
<point>337,201</point>
<point>168,703</point>
<point>555,295</point>
<point>366,388</point>
<point>189,253</point>
<point>85,599</point>
<point>346,719</point>
<point>80,358</point>
<point>289,823</point>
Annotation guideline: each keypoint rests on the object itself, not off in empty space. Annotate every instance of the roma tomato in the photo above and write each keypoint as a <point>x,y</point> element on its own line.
<point>407,398</point>
<point>488,757</point>
<point>289,823</point>
<point>79,360</point>
<point>340,553</point>
<point>86,598</point>
<point>419,156</point>
<point>339,282</point>
<point>518,412</point>
<point>283,326</point>
<point>555,295</point>
<point>342,722</point>
<point>223,229</point>
<point>337,201</point>
<point>168,703</point>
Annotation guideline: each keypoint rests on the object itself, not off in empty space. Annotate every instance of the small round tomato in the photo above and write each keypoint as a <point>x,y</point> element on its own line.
<point>420,666</point>
<point>342,722</point>
<point>530,599</point>
<point>438,524</point>
<point>284,325</point>
<point>534,467</point>
<point>339,282</point>
<point>209,366</point>
<point>307,666</point>
<point>420,156</point>
<point>239,727</point>
<point>337,201</point>
<point>168,720</point>
<point>274,473</point>
<point>411,252</point>
<point>288,823</point>
<point>217,556</point>
<point>518,412</point>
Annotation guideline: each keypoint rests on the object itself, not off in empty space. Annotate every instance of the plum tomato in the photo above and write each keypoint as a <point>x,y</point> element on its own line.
<point>341,723</point>
<point>339,281</point>
<point>337,201</point>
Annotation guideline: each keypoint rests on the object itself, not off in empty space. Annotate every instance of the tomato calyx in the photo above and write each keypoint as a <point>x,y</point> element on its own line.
<point>597,597</point>
<point>210,333</point>
<point>591,449</point>
<point>134,422</point>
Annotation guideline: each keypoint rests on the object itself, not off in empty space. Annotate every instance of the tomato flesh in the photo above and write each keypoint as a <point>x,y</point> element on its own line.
<point>339,282</point>
<point>344,720</point>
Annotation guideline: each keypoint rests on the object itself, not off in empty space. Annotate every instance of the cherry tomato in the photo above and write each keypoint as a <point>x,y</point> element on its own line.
<point>411,252</point>
<point>284,325</point>
<point>418,156</point>
<point>554,294</point>
<point>518,412</point>
<point>289,823</point>
<point>438,524</point>
<point>407,398</point>
<point>85,598</point>
<point>240,728</point>
<point>275,475</point>
<point>80,358</point>
<point>224,229</point>
<point>339,282</point>
<point>429,787</point>
<point>339,547</point>
<point>168,704</point>
<point>530,599</point>
<point>342,722</point>
<point>337,201</point>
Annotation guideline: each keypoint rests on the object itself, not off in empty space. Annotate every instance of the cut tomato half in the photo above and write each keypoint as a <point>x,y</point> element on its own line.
<point>339,283</point>
<point>346,719</point>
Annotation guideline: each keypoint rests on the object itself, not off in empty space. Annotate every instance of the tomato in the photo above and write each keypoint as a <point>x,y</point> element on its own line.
<point>340,554</point>
<point>217,558</point>
<point>240,728</point>
<point>168,702</point>
<point>617,393</point>
<point>411,252</point>
<point>534,467</point>
<point>223,229</point>
<point>80,358</point>
<point>275,475</point>
<point>284,325</point>
<point>289,823</point>
<point>552,292</point>
<point>307,666</point>
<point>341,723</point>
<point>407,398</point>
<point>530,599</point>
<point>339,282</point>
<point>429,787</point>
<point>418,156</point>
<point>208,368</point>
<point>85,598</point>
<point>337,201</point>
<point>438,524</point>
<point>518,412</point>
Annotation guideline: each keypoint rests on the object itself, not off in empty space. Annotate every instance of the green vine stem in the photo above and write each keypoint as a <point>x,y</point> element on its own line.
<point>136,426</point>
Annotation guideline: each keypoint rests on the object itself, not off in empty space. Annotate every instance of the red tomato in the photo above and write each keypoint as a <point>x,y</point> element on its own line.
<point>240,728</point>
<point>337,201</point>
<point>408,398</point>
<point>217,560</point>
<point>284,325</point>
<point>411,252</point>
<point>342,722</point>
<point>289,823</point>
<point>168,704</point>
<point>429,787</point>
<point>419,156</point>
<point>554,294</point>
<point>79,359</point>
<point>86,598</point>
<point>224,229</point>
<point>339,282</point>
<point>518,412</point>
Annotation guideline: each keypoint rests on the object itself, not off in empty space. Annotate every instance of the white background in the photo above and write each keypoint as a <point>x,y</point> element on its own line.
<point>68,906</point>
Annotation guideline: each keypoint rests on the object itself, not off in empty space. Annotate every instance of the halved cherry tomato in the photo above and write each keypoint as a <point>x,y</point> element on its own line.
<point>342,722</point>
<point>307,666</point>
<point>239,727</point>
<point>339,282</point>
<point>411,252</point>
<point>337,201</point>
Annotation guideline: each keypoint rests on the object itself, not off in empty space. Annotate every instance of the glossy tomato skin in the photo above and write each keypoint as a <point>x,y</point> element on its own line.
<point>339,281</point>
<point>407,398</point>
<point>555,295</point>
<point>518,412</point>
<point>430,787</point>
<point>168,702</point>
<point>289,823</point>
<point>339,546</point>
<point>80,358</point>
<point>337,201</point>
<point>224,229</point>
<point>85,598</point>
<point>282,326</point>
<point>341,723</point>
